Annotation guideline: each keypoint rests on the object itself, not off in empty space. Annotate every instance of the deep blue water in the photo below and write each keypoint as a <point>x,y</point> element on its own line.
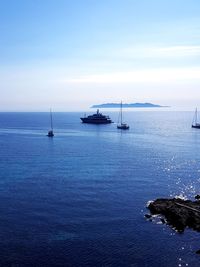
<point>79,199</point>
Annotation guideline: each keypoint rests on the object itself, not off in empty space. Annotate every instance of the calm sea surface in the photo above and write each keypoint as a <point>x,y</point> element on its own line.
<point>79,199</point>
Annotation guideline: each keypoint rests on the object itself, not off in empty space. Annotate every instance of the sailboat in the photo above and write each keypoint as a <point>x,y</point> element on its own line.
<point>50,132</point>
<point>121,125</point>
<point>195,123</point>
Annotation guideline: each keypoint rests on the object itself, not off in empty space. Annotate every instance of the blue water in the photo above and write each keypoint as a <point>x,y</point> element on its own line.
<point>79,199</point>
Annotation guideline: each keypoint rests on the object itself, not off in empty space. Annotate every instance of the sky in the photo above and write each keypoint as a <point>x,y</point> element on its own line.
<point>69,55</point>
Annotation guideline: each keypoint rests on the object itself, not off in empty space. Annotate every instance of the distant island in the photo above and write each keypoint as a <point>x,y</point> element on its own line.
<point>131,105</point>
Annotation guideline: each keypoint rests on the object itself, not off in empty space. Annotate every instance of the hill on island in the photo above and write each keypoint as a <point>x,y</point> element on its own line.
<point>125,105</point>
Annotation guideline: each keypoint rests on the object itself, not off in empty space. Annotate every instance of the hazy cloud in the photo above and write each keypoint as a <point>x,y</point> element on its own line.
<point>141,76</point>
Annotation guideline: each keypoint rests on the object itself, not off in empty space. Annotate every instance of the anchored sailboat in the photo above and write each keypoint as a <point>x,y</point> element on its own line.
<point>50,132</point>
<point>121,125</point>
<point>195,123</point>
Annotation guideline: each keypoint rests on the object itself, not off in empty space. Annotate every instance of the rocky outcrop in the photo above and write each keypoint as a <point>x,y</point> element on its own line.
<point>178,213</point>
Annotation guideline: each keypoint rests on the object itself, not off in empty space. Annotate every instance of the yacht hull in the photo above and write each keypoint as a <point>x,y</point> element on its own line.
<point>86,120</point>
<point>122,127</point>
<point>196,126</point>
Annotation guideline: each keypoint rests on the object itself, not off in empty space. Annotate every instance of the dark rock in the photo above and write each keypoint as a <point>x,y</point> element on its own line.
<point>178,213</point>
<point>197,197</point>
<point>148,216</point>
<point>198,251</point>
<point>163,220</point>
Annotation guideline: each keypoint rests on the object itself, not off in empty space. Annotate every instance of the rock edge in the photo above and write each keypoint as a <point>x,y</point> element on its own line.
<point>179,213</point>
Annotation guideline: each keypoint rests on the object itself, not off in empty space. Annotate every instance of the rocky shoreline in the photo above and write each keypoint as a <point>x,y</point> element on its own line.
<point>176,212</point>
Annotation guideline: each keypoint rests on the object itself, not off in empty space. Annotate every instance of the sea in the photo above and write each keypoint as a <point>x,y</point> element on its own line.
<point>79,198</point>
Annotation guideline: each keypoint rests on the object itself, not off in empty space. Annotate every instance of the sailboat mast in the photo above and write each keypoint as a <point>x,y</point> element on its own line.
<point>121,112</point>
<point>196,117</point>
<point>51,120</point>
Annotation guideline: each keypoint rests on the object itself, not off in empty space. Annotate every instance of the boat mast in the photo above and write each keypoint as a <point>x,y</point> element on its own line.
<point>196,114</point>
<point>121,112</point>
<point>51,120</point>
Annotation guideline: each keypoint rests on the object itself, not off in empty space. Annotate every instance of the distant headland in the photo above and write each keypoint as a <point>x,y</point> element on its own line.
<point>131,105</point>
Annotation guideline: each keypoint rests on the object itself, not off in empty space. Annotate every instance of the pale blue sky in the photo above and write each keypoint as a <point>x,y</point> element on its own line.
<point>72,54</point>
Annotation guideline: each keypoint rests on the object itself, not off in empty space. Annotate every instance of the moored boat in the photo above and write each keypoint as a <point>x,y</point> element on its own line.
<point>122,125</point>
<point>97,118</point>
<point>195,123</point>
<point>50,132</point>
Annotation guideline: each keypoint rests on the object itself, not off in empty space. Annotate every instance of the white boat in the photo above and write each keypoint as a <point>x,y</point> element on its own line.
<point>122,125</point>
<point>50,132</point>
<point>195,123</point>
